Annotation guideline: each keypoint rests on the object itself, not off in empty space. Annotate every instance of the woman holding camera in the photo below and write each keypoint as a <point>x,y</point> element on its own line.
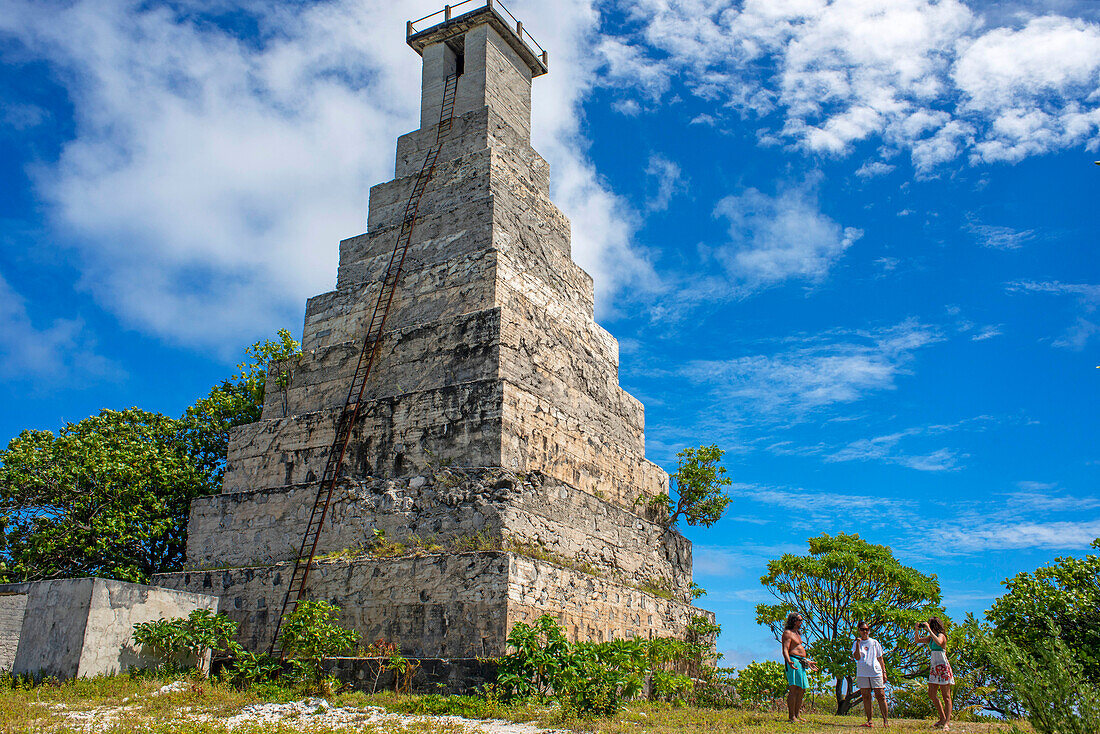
<point>940,677</point>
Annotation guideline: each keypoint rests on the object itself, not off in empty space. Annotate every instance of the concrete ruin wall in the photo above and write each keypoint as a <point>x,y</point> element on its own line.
<point>83,627</point>
<point>13,607</point>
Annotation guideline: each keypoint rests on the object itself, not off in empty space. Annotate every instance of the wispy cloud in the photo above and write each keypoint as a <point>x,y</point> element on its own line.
<point>999,238</point>
<point>885,449</point>
<point>664,178</point>
<point>45,356</point>
<point>953,538</point>
<point>1087,297</point>
<point>820,371</point>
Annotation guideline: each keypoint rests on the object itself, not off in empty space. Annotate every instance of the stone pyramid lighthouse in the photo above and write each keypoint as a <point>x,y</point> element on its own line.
<point>494,470</point>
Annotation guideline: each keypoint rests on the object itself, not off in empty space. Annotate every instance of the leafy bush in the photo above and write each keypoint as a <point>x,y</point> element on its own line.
<point>761,682</point>
<point>1048,681</point>
<point>593,688</point>
<point>665,685</point>
<point>252,668</point>
<point>310,634</point>
<point>195,634</point>
<point>537,665</point>
<point>593,679</point>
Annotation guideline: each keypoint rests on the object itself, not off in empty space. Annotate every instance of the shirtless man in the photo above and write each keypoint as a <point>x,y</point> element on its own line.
<point>796,664</point>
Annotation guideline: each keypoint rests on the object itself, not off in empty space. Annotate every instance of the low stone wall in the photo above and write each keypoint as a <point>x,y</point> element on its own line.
<point>453,676</point>
<point>84,627</point>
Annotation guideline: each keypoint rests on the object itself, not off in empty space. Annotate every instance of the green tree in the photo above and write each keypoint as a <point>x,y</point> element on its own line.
<point>237,401</point>
<point>842,581</point>
<point>1049,682</point>
<point>107,496</point>
<point>1066,594</point>
<point>699,481</point>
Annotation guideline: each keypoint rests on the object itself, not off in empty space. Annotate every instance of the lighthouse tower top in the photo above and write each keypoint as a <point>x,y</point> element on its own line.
<point>491,52</point>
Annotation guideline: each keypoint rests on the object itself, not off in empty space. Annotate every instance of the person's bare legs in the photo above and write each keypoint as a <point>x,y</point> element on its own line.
<point>794,702</point>
<point>880,694</point>
<point>946,692</point>
<point>934,694</point>
<point>866,693</point>
<point>800,696</point>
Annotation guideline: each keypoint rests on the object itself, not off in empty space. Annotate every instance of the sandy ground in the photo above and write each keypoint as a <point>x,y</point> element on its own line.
<point>306,714</point>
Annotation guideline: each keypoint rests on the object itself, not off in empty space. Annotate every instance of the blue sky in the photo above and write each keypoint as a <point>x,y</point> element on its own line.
<point>851,242</point>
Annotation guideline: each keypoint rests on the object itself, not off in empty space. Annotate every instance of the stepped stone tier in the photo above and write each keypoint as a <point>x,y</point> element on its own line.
<point>493,440</point>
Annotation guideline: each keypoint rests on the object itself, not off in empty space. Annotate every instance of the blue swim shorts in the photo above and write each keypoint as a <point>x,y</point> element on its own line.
<point>796,675</point>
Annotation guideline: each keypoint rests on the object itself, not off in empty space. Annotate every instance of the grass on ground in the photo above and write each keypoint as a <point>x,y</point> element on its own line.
<point>124,705</point>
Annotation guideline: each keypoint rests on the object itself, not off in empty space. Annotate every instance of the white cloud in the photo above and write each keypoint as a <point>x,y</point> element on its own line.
<point>210,177</point>
<point>1036,86</point>
<point>987,332</point>
<point>776,238</point>
<point>1086,295</point>
<point>63,350</point>
<point>815,507</point>
<point>870,169</point>
<point>665,179</point>
<point>999,238</point>
<point>998,535</point>
<point>820,371</point>
<point>924,76</point>
<point>885,449</point>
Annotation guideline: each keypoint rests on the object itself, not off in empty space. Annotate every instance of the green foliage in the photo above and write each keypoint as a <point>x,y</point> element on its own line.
<point>761,682</point>
<point>593,679</point>
<point>1049,682</point>
<point>107,496</point>
<point>843,580</point>
<point>699,481</point>
<point>538,661</point>
<point>1067,593</point>
<point>250,669</point>
<point>310,634</point>
<point>236,401</point>
<point>195,634</point>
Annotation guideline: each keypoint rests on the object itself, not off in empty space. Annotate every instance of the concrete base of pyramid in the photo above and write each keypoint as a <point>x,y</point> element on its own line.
<point>443,605</point>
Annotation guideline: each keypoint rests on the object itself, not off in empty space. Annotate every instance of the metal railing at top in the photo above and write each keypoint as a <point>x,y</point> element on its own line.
<point>447,12</point>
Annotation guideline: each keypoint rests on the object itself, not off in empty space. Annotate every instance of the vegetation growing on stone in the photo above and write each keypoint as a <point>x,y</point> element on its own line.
<point>699,484</point>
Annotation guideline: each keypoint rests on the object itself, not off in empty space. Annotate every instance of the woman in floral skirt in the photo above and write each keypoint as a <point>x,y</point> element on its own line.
<point>940,677</point>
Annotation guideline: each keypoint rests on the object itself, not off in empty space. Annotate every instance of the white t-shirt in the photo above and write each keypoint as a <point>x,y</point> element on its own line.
<point>869,652</point>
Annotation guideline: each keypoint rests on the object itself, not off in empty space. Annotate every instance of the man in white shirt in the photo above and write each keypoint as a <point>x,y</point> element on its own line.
<point>870,671</point>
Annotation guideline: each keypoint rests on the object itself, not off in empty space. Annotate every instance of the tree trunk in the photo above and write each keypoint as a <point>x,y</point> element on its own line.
<point>844,701</point>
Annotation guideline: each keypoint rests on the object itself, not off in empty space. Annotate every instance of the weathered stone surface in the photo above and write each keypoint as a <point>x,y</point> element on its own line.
<point>13,607</point>
<point>445,604</point>
<point>493,408</point>
<point>83,627</point>
<point>266,526</point>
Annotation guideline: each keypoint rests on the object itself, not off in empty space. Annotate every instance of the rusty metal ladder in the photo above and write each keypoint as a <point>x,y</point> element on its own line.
<point>296,586</point>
